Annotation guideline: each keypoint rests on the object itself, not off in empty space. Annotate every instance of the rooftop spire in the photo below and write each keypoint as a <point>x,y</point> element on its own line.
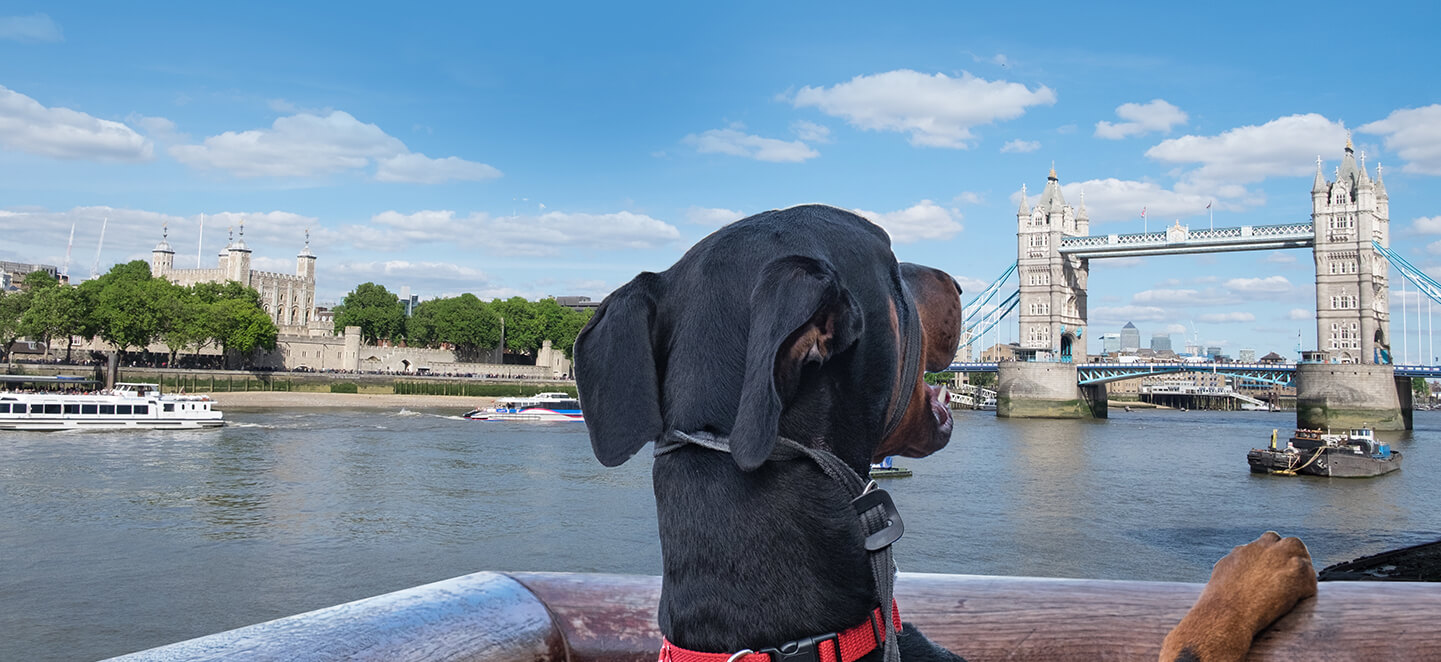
<point>1348,142</point>
<point>1025,209</point>
<point>1053,171</point>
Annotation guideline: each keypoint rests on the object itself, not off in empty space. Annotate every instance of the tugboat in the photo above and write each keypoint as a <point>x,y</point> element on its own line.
<point>1355,454</point>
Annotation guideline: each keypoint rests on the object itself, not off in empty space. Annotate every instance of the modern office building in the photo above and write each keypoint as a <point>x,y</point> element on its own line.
<point>1161,342</point>
<point>1130,338</point>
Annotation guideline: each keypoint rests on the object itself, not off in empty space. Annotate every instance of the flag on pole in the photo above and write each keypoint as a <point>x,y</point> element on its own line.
<point>1143,212</point>
<point>1208,205</point>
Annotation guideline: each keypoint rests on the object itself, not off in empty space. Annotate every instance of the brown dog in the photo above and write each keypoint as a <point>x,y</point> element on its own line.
<point>771,365</point>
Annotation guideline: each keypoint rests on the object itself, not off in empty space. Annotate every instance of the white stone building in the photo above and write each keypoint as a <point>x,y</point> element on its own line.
<point>288,299</point>
<point>1052,304</point>
<point>1353,318</point>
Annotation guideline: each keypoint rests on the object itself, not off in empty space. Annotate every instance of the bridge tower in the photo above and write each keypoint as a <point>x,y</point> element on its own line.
<point>1353,319</point>
<point>1053,286</point>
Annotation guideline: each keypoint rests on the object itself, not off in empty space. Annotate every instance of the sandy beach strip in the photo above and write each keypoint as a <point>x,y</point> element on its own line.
<point>282,399</point>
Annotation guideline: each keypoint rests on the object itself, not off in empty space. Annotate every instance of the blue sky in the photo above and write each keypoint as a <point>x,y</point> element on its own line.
<point>555,148</point>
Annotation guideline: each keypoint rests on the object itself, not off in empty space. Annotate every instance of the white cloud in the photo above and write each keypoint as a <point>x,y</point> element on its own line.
<point>32,28</point>
<point>1415,135</point>
<point>738,143</point>
<point>811,132</point>
<point>1141,118</point>
<point>308,144</point>
<point>1176,328</point>
<point>1165,296</point>
<point>1300,314</point>
<point>1279,258</point>
<point>935,110</point>
<point>712,217</point>
<point>1109,200</point>
<point>923,221</point>
<point>1434,248</point>
<point>28,126</point>
<point>1426,225</point>
<point>1227,318</point>
<point>421,169</point>
<point>1021,146</point>
<point>1120,314</point>
<point>970,198</point>
<point>1282,147</point>
<point>549,233</point>
<point>1267,285</point>
<point>971,286</point>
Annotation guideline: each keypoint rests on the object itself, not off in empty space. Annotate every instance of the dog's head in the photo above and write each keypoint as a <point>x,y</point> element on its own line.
<point>790,322</point>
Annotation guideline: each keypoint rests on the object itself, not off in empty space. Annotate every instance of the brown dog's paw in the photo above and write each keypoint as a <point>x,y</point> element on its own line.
<point>1250,588</point>
<point>1263,579</point>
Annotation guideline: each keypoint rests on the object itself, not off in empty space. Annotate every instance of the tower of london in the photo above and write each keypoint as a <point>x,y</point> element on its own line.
<point>288,299</point>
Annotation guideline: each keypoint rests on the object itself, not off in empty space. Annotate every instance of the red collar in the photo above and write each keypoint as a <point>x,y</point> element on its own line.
<point>847,646</point>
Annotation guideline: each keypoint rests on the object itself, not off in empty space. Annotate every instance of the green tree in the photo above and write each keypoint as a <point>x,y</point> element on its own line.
<point>12,310</point>
<point>523,328</point>
<point>54,311</point>
<point>374,309</point>
<point>569,328</point>
<point>129,310</point>
<point>244,328</point>
<point>1419,388</point>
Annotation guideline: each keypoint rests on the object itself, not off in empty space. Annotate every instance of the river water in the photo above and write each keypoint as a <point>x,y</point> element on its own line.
<point>116,542</point>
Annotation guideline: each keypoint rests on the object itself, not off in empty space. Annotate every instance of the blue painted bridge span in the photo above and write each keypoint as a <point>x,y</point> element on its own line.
<point>1280,374</point>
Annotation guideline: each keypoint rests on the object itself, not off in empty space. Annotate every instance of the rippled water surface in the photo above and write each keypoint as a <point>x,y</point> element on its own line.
<point>115,542</point>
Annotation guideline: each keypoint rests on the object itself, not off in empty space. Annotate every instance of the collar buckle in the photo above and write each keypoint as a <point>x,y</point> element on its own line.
<point>804,650</point>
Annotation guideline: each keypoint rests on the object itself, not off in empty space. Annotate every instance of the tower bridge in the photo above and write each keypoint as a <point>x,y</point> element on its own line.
<point>1348,379</point>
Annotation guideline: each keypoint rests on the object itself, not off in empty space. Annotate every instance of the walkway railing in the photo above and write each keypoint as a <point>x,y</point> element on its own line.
<point>1177,239</point>
<point>558,617</point>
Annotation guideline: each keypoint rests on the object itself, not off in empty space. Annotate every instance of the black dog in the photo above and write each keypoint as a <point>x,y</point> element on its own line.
<point>771,365</point>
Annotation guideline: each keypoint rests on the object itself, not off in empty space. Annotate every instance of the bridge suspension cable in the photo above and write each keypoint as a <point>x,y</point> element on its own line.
<point>979,327</point>
<point>987,294</point>
<point>1425,284</point>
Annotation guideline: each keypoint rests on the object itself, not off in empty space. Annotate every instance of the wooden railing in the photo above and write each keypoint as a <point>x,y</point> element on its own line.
<point>564,617</point>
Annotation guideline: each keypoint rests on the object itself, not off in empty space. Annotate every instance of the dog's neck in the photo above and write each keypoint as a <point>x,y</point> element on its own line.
<point>756,559</point>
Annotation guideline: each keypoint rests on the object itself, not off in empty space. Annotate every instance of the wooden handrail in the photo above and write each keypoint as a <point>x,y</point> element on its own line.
<point>568,617</point>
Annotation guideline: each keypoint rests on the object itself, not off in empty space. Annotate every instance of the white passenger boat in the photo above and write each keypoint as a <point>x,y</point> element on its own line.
<point>60,403</point>
<point>540,407</point>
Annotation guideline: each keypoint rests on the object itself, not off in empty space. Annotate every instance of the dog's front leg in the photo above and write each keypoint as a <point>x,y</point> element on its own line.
<point>1250,588</point>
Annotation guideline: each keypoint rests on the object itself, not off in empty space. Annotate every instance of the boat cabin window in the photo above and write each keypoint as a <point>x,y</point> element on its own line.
<point>123,410</point>
<point>72,409</point>
<point>88,409</point>
<point>4,407</point>
<point>142,409</point>
<point>107,409</point>
<point>52,409</point>
<point>169,406</point>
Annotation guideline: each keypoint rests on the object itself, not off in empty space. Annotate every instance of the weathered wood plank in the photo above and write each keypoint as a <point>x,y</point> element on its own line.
<point>610,618</point>
<point>483,617</point>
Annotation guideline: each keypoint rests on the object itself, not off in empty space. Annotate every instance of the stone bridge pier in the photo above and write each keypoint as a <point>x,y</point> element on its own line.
<point>1046,390</point>
<point>1341,396</point>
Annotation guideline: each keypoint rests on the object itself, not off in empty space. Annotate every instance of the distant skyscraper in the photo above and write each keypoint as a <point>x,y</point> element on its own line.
<point>1161,342</point>
<point>1213,352</point>
<point>1111,343</point>
<point>1130,338</point>
<point>1246,355</point>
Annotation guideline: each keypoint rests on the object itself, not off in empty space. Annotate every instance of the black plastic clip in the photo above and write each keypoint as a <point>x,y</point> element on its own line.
<point>804,650</point>
<point>894,528</point>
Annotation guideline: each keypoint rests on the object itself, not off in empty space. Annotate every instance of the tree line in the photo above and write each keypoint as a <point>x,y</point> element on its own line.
<point>465,323</point>
<point>129,308</point>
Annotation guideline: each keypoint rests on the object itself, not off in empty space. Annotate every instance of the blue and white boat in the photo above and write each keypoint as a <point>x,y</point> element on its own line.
<point>540,407</point>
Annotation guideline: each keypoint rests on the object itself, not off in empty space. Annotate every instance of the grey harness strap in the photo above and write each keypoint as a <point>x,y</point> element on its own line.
<point>880,523</point>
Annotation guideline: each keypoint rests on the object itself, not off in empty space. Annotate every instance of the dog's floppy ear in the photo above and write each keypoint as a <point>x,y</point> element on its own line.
<point>615,372</point>
<point>800,313</point>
